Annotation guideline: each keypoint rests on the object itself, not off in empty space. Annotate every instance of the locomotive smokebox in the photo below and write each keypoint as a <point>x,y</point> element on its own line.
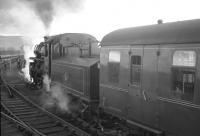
<point>160,21</point>
<point>41,64</point>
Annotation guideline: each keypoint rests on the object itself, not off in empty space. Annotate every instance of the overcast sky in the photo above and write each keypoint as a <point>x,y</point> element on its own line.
<point>99,17</point>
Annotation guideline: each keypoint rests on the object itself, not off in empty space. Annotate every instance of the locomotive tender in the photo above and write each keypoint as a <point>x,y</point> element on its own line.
<point>78,71</point>
<point>149,75</point>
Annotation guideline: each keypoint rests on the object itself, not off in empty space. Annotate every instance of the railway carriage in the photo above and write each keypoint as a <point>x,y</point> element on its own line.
<point>150,76</point>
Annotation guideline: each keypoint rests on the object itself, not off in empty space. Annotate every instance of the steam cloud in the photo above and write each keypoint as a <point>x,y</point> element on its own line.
<point>47,82</point>
<point>55,95</point>
<point>32,18</point>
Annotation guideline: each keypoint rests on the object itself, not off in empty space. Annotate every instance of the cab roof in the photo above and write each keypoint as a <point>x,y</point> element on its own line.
<point>166,33</point>
<point>67,39</point>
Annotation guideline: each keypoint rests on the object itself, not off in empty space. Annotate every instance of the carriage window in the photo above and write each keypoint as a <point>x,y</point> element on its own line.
<point>135,69</point>
<point>114,56</point>
<point>183,76</point>
<point>136,60</point>
<point>113,66</point>
<point>184,58</point>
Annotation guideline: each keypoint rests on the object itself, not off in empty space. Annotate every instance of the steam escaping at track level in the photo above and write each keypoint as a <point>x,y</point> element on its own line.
<point>55,95</point>
<point>47,81</point>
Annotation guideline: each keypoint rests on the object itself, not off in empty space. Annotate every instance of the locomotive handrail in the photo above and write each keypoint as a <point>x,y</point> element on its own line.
<point>10,57</point>
<point>34,58</point>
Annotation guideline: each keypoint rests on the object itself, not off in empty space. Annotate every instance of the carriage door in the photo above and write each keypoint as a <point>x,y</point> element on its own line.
<point>134,93</point>
<point>150,85</point>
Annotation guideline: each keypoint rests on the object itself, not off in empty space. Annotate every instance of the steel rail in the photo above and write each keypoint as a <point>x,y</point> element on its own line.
<point>81,133</point>
<point>21,124</point>
<point>24,124</point>
<point>77,131</point>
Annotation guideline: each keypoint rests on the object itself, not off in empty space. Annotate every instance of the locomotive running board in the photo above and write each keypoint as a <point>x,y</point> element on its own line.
<point>155,131</point>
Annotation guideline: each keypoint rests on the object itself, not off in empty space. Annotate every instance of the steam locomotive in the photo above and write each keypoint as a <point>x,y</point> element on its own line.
<point>38,67</point>
<point>148,76</point>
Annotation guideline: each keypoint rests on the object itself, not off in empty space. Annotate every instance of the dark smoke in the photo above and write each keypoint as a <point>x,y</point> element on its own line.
<point>44,9</point>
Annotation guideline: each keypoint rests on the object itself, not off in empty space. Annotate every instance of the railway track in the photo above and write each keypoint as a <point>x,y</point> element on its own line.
<point>34,117</point>
<point>43,123</point>
<point>12,127</point>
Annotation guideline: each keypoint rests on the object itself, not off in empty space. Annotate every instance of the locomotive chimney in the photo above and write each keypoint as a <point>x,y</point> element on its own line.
<point>46,38</point>
<point>160,21</point>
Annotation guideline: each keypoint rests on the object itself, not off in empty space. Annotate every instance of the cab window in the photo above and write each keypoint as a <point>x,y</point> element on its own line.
<point>113,66</point>
<point>183,74</point>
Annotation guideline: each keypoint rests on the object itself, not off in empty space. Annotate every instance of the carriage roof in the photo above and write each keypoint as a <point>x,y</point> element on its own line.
<point>166,33</point>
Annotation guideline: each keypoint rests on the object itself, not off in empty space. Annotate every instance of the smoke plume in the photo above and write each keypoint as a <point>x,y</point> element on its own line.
<point>46,9</point>
<point>17,15</point>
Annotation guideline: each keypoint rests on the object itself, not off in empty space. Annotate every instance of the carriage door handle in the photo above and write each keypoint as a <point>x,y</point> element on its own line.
<point>144,95</point>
